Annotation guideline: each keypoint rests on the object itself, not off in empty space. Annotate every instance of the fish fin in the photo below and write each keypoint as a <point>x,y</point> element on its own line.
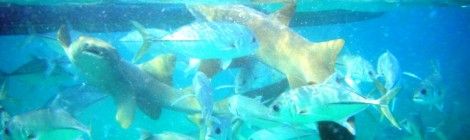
<point>384,107</point>
<point>225,64</point>
<point>181,99</point>
<point>412,75</point>
<point>184,99</point>
<point>380,87</point>
<point>295,81</point>
<point>196,119</point>
<point>145,134</point>
<point>145,41</point>
<point>63,35</point>
<point>161,67</point>
<point>125,111</point>
<point>327,51</point>
<point>285,14</point>
<point>348,126</point>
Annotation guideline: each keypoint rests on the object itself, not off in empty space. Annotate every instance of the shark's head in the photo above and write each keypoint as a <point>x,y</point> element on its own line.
<point>93,57</point>
<point>91,49</point>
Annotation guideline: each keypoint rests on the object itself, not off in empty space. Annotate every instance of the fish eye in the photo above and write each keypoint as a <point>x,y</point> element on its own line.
<point>370,73</point>
<point>253,40</point>
<point>217,130</point>
<point>233,45</point>
<point>6,131</point>
<point>423,91</point>
<point>31,136</point>
<point>276,108</point>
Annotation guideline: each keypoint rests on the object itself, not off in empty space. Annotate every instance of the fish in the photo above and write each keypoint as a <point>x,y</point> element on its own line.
<point>302,61</point>
<point>203,92</point>
<point>166,135</point>
<point>326,102</point>
<point>205,40</point>
<point>249,111</point>
<point>388,67</point>
<point>255,75</point>
<point>284,133</point>
<point>131,86</point>
<point>219,128</point>
<point>356,70</point>
<point>75,98</point>
<point>33,124</point>
<point>429,92</point>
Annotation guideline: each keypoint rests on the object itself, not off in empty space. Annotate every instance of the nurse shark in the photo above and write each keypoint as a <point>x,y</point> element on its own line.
<point>144,86</point>
<point>302,61</point>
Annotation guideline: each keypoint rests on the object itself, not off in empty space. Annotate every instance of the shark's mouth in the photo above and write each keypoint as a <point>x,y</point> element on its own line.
<point>93,51</point>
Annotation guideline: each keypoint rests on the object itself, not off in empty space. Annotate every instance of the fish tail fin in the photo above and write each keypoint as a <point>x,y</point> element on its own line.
<point>145,41</point>
<point>144,134</point>
<point>384,102</point>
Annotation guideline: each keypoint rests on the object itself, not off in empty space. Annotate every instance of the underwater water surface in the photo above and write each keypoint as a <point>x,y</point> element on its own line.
<point>147,70</point>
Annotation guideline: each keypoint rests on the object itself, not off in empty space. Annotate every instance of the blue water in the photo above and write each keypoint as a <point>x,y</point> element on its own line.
<point>416,36</point>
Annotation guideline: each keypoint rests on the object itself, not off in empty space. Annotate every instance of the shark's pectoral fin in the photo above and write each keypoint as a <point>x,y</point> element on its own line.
<point>161,67</point>
<point>285,14</point>
<point>125,111</point>
<point>327,51</point>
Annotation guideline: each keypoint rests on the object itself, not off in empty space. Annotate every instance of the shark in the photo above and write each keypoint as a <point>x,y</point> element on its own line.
<point>302,61</point>
<point>145,86</point>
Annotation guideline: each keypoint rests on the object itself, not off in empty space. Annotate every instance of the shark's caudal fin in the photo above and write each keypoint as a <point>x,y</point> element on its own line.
<point>161,67</point>
<point>145,44</point>
<point>384,106</point>
<point>284,15</point>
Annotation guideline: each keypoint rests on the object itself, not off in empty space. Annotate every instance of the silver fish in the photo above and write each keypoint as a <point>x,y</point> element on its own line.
<point>326,102</point>
<point>33,124</point>
<point>388,67</point>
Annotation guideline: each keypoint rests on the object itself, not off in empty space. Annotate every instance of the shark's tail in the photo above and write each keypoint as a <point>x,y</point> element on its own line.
<point>384,107</point>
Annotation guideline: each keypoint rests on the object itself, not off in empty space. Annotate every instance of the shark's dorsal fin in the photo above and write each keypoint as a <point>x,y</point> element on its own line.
<point>285,14</point>
<point>161,67</point>
<point>63,35</point>
<point>329,51</point>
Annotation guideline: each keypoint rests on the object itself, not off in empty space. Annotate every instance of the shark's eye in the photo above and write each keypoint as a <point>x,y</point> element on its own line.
<point>217,130</point>
<point>423,91</point>
<point>276,108</point>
